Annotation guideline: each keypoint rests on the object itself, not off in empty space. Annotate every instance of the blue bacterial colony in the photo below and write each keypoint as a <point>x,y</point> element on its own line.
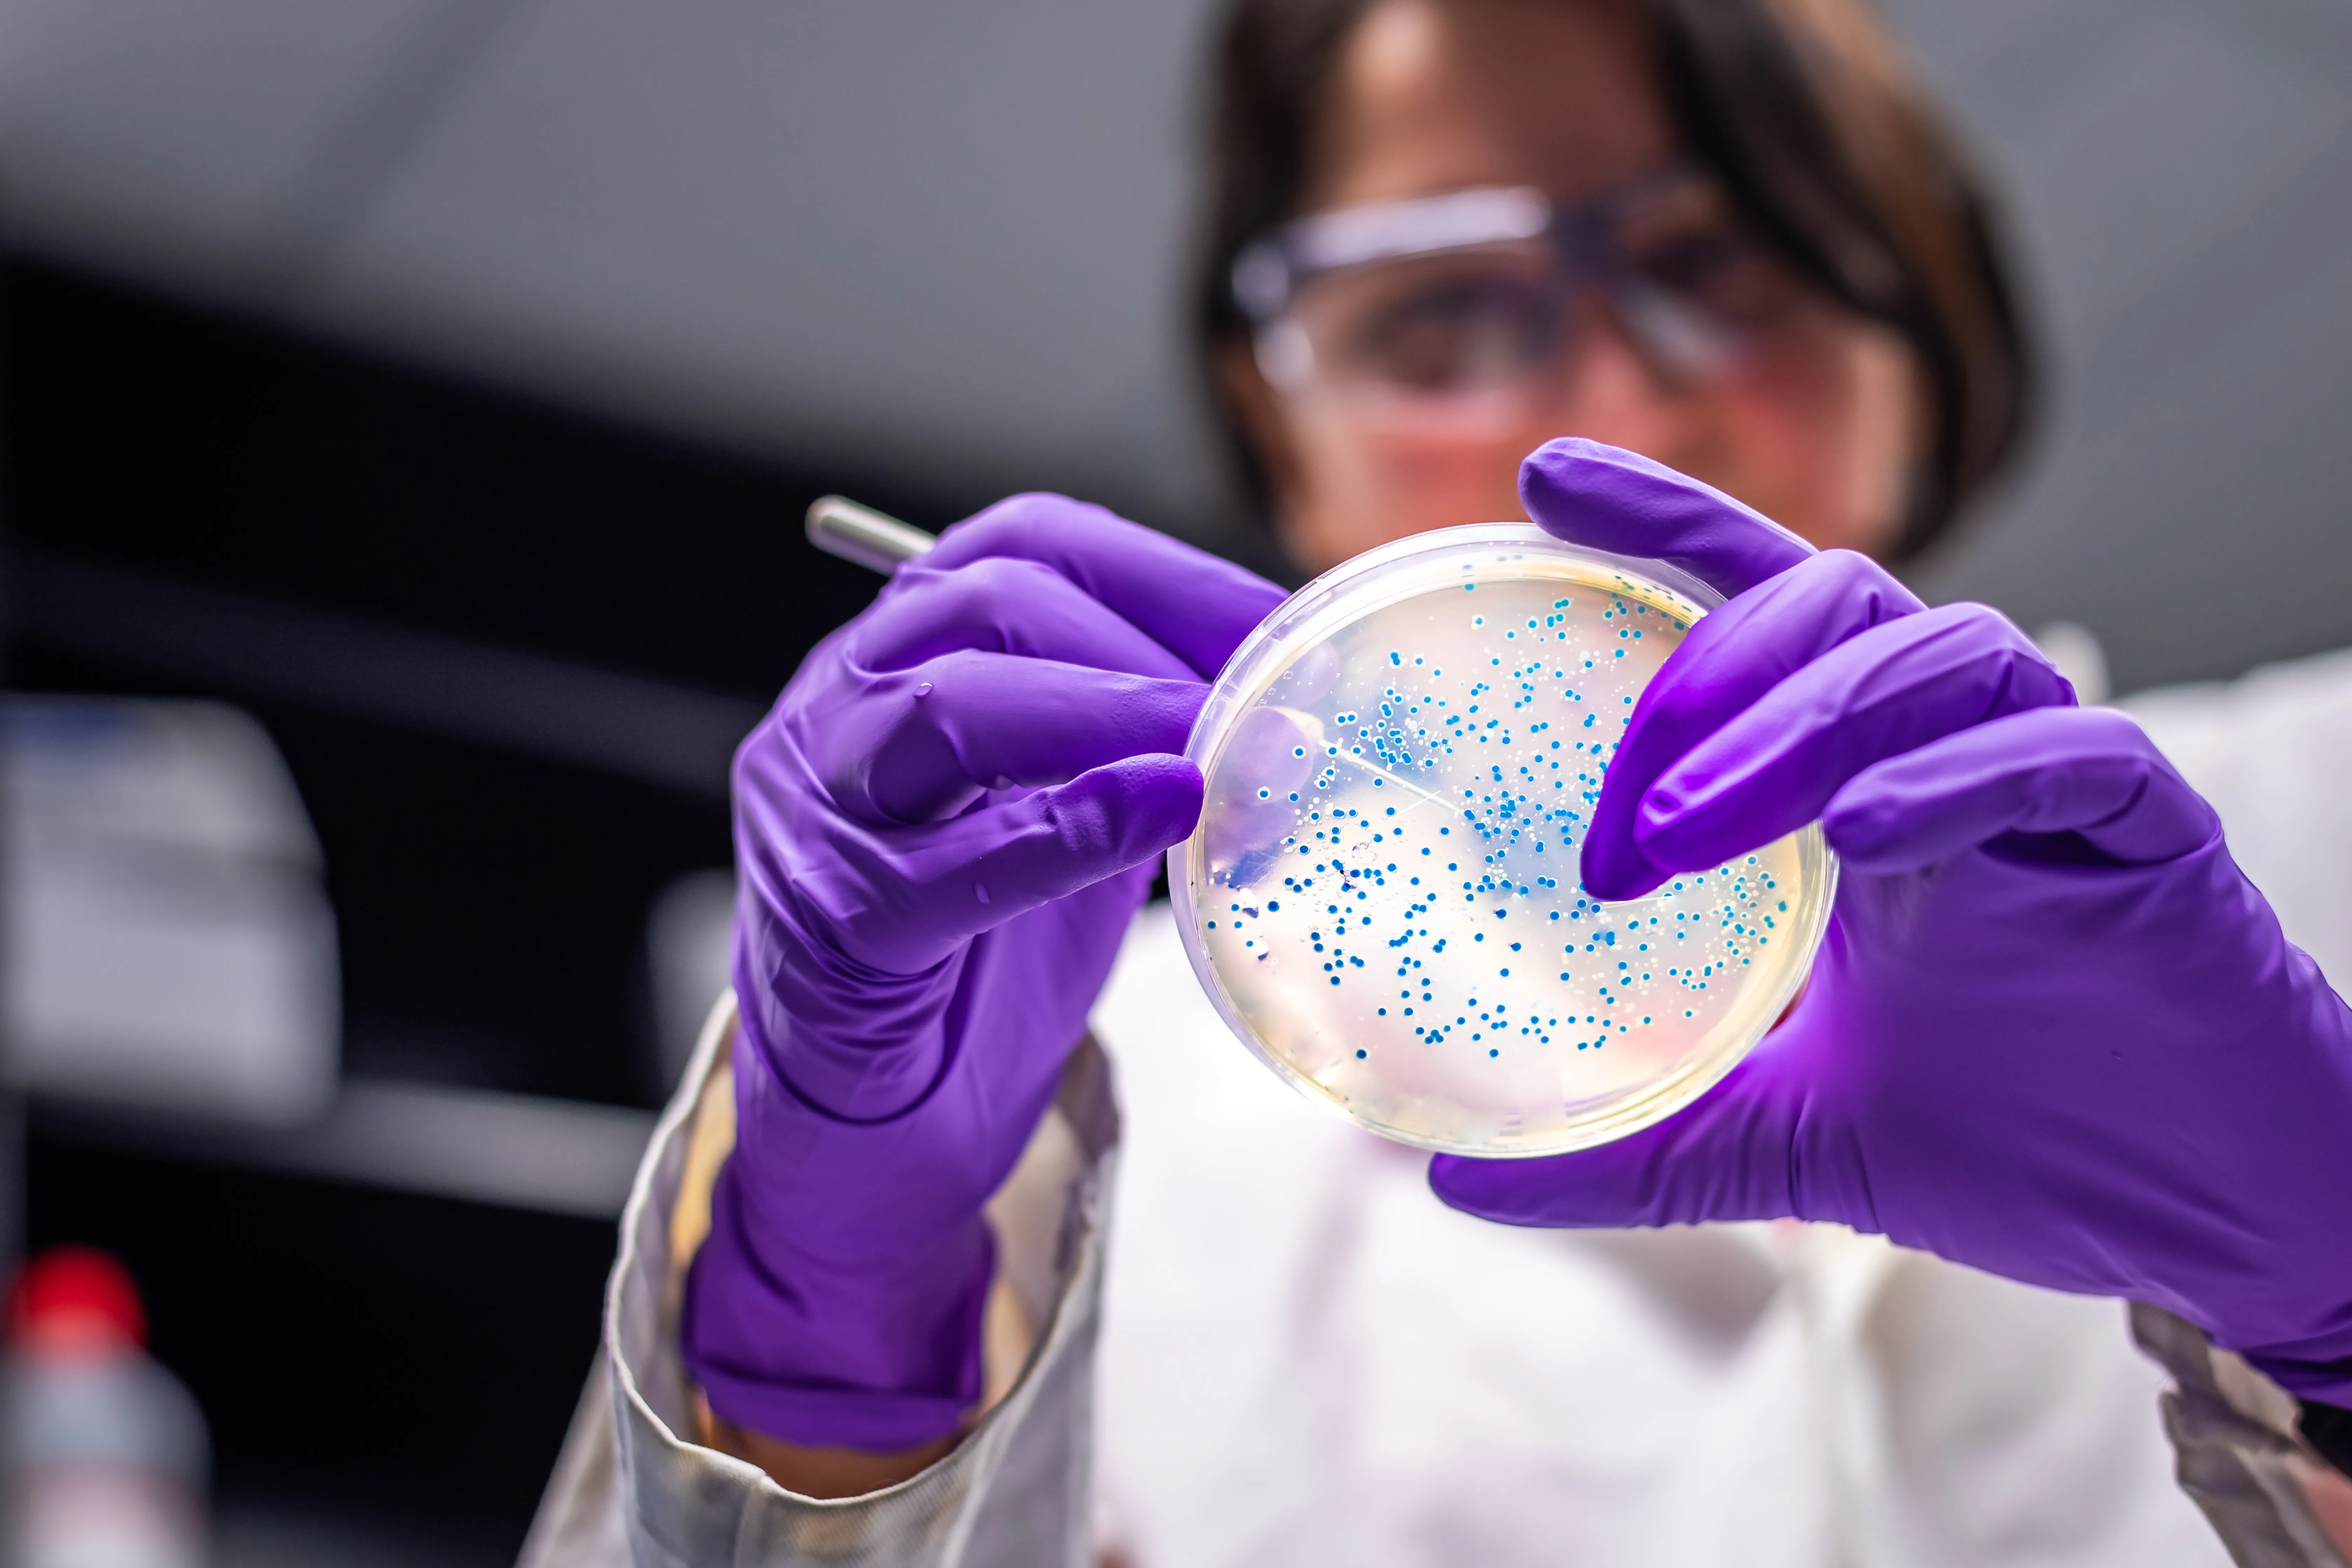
<point>1385,878</point>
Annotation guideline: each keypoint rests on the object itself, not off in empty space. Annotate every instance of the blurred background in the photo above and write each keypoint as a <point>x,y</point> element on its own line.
<point>408,407</point>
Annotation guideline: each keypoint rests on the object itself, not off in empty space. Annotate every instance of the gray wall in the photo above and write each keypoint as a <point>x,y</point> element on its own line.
<point>2181,180</point>
<point>903,230</point>
<point>945,235</point>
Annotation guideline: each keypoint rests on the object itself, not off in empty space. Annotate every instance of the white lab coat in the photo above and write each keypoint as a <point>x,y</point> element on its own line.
<point>1297,1356</point>
<point>1306,1359</point>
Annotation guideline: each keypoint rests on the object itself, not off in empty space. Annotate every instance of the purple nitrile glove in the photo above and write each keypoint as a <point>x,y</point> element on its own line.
<point>941,832</point>
<point>2052,1031</point>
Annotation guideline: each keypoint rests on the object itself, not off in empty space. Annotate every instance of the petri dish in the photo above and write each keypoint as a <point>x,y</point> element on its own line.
<point>1382,897</point>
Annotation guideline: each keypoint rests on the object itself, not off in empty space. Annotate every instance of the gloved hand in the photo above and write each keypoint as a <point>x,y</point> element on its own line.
<point>941,832</point>
<point>2052,1031</point>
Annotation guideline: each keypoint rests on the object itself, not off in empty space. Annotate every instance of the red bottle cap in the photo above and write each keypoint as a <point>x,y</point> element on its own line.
<point>74,1299</point>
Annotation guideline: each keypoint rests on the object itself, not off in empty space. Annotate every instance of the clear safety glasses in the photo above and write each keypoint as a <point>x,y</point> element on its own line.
<point>1460,312</point>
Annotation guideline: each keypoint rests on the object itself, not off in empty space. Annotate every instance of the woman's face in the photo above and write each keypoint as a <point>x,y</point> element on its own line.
<point>1813,422</point>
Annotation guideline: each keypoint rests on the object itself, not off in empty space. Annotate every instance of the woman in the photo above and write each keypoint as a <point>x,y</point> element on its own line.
<point>867,1249</point>
<point>1798,300</point>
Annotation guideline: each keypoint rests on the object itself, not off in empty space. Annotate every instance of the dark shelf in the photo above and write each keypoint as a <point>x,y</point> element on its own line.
<point>377,1364</point>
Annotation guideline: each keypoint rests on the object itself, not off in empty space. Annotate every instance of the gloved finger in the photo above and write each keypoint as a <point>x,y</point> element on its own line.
<point>1774,767</point>
<point>2088,770</point>
<point>900,899</point>
<point>1003,606</point>
<point>921,744</point>
<point>1726,1156</point>
<point>1731,658</point>
<point>1610,499</point>
<point>1189,601</point>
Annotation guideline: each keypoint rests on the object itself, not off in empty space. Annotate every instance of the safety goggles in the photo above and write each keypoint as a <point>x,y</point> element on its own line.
<point>1456,307</point>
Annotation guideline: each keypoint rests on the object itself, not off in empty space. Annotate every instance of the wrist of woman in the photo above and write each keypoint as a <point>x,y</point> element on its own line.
<point>2323,1377</point>
<point>2329,1429</point>
<point>882,1355</point>
<point>819,1470</point>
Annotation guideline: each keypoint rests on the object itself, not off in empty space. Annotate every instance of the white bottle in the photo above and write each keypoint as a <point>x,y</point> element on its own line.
<point>103,1454</point>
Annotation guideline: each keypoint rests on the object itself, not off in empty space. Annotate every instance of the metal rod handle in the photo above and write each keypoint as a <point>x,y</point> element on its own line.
<point>873,540</point>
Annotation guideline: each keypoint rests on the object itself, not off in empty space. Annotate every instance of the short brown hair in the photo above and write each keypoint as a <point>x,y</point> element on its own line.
<point>1805,112</point>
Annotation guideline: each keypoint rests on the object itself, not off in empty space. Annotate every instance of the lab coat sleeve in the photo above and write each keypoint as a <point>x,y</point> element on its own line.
<point>630,1489</point>
<point>2272,1499</point>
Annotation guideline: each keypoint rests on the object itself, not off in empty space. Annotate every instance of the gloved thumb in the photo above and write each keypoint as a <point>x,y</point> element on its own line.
<point>1726,1156</point>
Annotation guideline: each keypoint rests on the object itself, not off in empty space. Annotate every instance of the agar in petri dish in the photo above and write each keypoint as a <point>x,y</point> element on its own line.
<point>1382,899</point>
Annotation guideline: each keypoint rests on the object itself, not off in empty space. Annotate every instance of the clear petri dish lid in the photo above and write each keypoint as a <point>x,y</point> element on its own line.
<point>1382,897</point>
